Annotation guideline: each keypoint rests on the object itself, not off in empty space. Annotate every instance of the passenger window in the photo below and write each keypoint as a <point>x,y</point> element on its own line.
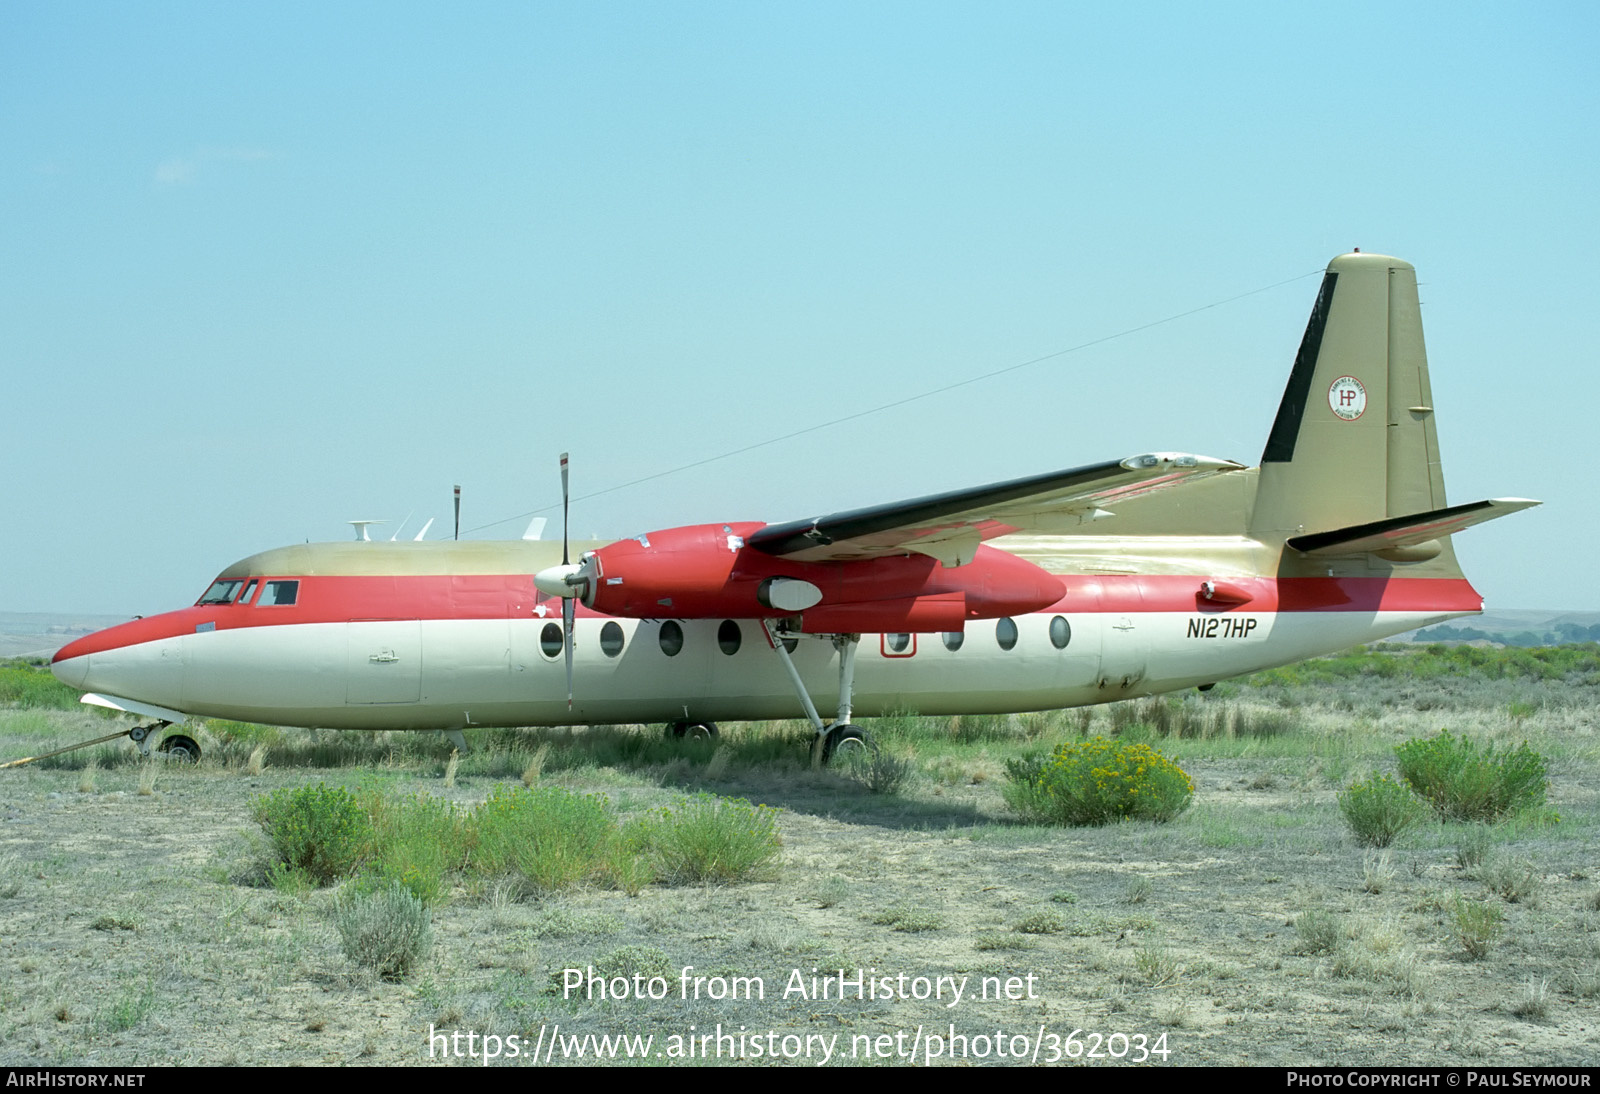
<point>550,643</point>
<point>728,637</point>
<point>952,640</point>
<point>1005,633</point>
<point>671,638</point>
<point>611,639</point>
<point>280,592</point>
<point>1060,632</point>
<point>896,643</point>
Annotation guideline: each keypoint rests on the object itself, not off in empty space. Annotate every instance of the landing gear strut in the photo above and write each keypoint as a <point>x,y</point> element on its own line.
<point>841,737</point>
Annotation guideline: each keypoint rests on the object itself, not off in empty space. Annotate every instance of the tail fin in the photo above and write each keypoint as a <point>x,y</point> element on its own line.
<point>1354,441</point>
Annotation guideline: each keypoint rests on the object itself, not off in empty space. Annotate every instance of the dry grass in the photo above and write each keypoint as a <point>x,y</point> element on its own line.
<point>1249,930</point>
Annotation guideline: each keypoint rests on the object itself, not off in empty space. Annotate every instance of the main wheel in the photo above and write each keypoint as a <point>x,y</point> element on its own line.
<point>693,731</point>
<point>179,747</point>
<point>844,741</point>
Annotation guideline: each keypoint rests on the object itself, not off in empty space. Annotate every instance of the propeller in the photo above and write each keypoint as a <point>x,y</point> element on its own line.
<point>569,581</point>
<point>569,605</point>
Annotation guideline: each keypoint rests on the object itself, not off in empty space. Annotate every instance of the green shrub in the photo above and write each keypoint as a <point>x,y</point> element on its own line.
<point>713,839</point>
<point>320,830</point>
<point>553,838</point>
<point>417,841</point>
<point>1098,781</point>
<point>1477,926</point>
<point>1465,782</point>
<point>1379,809</point>
<point>384,928</point>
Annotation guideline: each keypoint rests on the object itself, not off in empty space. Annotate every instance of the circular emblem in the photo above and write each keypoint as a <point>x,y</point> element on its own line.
<point>1347,398</point>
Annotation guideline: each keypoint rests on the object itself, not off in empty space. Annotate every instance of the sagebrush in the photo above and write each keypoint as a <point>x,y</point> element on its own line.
<point>385,929</point>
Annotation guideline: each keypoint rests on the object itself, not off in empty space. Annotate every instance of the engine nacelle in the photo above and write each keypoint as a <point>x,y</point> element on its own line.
<point>706,572</point>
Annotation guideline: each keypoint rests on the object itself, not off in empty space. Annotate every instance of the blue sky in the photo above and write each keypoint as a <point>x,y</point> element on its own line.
<point>269,268</point>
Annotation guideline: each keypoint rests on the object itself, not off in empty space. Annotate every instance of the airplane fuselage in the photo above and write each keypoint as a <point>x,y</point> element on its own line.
<point>448,646</point>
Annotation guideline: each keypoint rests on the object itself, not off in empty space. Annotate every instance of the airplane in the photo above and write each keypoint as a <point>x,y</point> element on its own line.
<point>1133,577</point>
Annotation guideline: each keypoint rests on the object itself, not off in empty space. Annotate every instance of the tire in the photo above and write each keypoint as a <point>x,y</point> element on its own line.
<point>181,748</point>
<point>841,741</point>
<point>693,731</point>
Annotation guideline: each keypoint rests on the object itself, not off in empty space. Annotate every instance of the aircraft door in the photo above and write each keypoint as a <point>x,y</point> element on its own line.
<point>1124,637</point>
<point>384,662</point>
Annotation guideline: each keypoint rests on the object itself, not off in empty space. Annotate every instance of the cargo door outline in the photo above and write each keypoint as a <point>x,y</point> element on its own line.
<point>384,662</point>
<point>1124,644</point>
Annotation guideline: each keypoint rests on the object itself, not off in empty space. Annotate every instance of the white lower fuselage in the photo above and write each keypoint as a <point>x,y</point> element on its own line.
<point>453,673</point>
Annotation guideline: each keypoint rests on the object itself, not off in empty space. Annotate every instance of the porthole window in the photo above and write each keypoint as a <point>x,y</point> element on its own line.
<point>611,639</point>
<point>671,638</point>
<point>1060,632</point>
<point>897,643</point>
<point>952,640</point>
<point>1005,633</point>
<point>550,640</point>
<point>728,637</point>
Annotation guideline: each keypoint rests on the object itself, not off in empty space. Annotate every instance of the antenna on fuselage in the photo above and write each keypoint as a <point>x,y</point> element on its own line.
<point>458,510</point>
<point>361,529</point>
<point>418,537</point>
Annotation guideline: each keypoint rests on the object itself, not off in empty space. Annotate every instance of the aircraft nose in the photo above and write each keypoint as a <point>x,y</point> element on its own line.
<point>71,667</point>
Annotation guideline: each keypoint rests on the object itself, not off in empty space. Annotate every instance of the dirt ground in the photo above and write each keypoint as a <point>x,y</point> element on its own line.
<point>134,931</point>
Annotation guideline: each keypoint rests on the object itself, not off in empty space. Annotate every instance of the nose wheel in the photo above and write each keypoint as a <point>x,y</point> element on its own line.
<point>180,748</point>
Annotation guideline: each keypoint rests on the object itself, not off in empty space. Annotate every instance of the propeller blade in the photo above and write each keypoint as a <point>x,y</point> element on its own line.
<point>568,611</point>
<point>565,559</point>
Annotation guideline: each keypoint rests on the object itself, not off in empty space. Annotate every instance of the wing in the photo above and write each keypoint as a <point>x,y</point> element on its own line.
<point>949,527</point>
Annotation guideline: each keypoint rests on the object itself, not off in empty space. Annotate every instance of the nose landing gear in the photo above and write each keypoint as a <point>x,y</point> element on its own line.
<point>179,747</point>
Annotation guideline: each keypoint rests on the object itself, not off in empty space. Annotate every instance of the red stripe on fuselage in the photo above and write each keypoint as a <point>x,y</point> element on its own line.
<point>340,599</point>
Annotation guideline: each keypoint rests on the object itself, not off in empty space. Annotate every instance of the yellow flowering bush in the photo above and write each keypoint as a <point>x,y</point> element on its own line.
<point>1098,781</point>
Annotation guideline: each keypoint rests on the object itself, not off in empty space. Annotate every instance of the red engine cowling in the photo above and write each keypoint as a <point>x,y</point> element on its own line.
<point>706,571</point>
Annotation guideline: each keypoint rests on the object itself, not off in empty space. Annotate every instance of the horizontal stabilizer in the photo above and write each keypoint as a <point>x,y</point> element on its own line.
<point>1396,533</point>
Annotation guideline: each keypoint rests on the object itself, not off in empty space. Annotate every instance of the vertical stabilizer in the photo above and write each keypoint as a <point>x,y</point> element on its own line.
<point>1354,439</point>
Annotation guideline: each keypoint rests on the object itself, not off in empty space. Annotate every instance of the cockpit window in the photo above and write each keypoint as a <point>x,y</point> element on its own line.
<point>280,592</point>
<point>249,591</point>
<point>221,592</point>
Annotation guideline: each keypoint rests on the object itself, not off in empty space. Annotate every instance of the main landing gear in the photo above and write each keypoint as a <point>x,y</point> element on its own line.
<point>840,739</point>
<point>692,731</point>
